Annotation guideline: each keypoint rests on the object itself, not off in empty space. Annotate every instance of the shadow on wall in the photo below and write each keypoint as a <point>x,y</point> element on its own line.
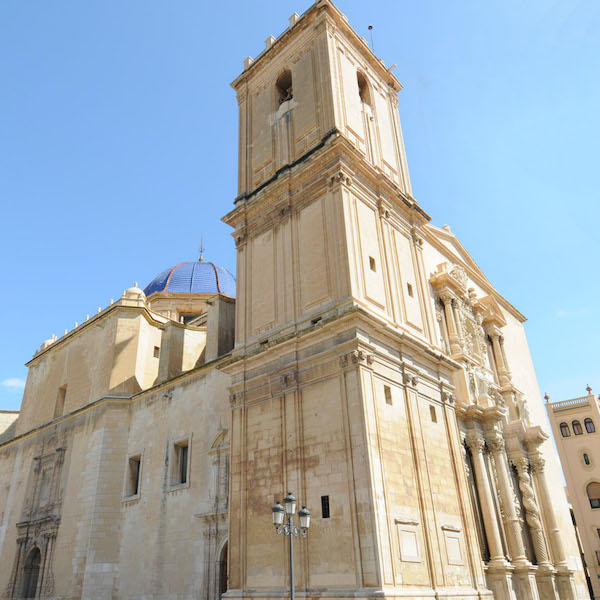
<point>9,433</point>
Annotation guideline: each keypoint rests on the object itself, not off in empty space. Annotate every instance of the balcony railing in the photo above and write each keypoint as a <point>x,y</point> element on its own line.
<point>573,403</point>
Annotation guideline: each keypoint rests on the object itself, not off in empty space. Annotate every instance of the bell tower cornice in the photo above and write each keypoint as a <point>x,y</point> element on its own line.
<point>322,14</point>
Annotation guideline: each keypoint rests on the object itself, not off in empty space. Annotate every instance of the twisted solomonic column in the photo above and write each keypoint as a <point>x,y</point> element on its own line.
<point>476,444</point>
<point>532,512</point>
<point>496,445</point>
<point>556,544</point>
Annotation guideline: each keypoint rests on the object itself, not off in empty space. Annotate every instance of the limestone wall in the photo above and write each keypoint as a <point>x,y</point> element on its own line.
<point>105,537</point>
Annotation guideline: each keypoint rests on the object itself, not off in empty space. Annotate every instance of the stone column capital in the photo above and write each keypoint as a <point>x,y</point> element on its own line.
<point>521,463</point>
<point>537,464</point>
<point>474,441</point>
<point>495,442</point>
<point>446,296</point>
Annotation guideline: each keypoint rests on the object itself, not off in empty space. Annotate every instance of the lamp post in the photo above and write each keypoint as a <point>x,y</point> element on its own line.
<point>290,528</point>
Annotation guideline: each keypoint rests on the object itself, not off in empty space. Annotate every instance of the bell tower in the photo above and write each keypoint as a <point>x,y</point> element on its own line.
<point>334,326</point>
<point>317,111</point>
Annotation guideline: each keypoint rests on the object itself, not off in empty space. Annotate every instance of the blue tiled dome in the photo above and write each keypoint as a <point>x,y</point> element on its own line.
<point>193,278</point>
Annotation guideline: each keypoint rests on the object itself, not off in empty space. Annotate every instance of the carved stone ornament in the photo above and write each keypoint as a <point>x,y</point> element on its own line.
<point>409,379</point>
<point>40,520</point>
<point>236,398</point>
<point>495,442</point>
<point>240,239</point>
<point>448,398</point>
<point>289,379</point>
<point>356,357</point>
<point>460,275</point>
<point>537,464</point>
<point>418,240</point>
<point>474,441</point>
<point>532,512</point>
<point>340,177</point>
<point>383,211</point>
<point>285,211</point>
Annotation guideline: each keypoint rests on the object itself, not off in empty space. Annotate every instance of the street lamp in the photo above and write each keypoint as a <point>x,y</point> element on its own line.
<point>290,528</point>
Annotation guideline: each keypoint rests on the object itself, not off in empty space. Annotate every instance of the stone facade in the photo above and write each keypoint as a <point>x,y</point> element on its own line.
<point>574,426</point>
<point>374,370</point>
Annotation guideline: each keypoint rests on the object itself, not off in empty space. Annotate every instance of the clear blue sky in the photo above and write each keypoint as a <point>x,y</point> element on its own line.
<point>118,151</point>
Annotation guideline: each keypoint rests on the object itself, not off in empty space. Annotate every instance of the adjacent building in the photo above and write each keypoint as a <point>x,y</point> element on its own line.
<point>360,358</point>
<point>574,424</point>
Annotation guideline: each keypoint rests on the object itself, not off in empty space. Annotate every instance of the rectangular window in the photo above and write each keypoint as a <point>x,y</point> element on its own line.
<point>598,556</point>
<point>372,264</point>
<point>433,413</point>
<point>597,530</point>
<point>59,407</point>
<point>156,351</point>
<point>325,507</point>
<point>180,463</point>
<point>409,287</point>
<point>132,483</point>
<point>388,394</point>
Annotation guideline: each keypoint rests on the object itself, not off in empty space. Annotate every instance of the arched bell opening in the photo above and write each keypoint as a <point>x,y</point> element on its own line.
<point>283,86</point>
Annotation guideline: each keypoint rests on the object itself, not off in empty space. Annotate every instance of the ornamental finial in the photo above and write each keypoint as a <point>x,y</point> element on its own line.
<point>201,248</point>
<point>589,389</point>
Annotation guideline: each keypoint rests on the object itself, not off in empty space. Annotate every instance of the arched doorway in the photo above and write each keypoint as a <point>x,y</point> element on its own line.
<point>223,571</point>
<point>31,573</point>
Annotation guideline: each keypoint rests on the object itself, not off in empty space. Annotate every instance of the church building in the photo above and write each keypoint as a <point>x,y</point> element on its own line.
<point>359,358</point>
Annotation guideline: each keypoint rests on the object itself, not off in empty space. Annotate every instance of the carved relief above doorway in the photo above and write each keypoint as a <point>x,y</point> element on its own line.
<point>32,574</point>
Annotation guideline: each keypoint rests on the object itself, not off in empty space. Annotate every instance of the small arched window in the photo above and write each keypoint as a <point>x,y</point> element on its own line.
<point>363,89</point>
<point>593,492</point>
<point>577,429</point>
<point>564,430</point>
<point>586,459</point>
<point>284,87</point>
<point>589,426</point>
